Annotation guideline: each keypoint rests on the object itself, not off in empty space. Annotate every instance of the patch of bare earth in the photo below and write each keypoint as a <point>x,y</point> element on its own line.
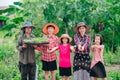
<point>113,67</point>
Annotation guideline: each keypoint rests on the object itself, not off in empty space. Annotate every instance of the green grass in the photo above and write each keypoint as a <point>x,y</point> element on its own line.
<point>9,63</point>
<point>9,70</point>
<point>111,58</point>
<point>113,75</point>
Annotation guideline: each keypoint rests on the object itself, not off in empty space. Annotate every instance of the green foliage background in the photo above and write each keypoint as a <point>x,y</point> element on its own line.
<point>101,15</point>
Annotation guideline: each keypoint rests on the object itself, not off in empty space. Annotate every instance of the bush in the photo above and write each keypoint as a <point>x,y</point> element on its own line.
<point>7,49</point>
<point>111,58</point>
<point>113,75</point>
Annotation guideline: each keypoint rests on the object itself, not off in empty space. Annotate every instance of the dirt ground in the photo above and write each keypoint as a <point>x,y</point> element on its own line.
<point>113,67</point>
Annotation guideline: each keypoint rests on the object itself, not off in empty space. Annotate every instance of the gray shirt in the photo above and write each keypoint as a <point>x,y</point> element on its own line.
<point>26,55</point>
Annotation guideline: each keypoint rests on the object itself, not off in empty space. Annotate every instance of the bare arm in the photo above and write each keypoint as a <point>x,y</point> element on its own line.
<point>72,49</point>
<point>55,48</point>
<point>92,47</point>
<point>102,48</point>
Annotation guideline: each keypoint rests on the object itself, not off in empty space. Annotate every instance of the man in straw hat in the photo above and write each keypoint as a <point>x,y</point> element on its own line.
<point>49,59</point>
<point>81,63</point>
<point>27,65</point>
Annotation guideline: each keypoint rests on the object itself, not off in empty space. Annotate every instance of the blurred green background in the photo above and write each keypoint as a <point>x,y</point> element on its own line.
<point>103,16</point>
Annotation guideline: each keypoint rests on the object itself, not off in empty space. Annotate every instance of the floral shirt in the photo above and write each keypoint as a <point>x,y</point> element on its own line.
<point>53,42</point>
<point>82,40</point>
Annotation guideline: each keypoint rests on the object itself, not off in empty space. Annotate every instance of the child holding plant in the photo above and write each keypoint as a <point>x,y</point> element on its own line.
<point>64,56</point>
<point>49,59</point>
<point>97,67</point>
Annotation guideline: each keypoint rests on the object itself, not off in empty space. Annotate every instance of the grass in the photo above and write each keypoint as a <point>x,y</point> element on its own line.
<point>113,75</point>
<point>9,70</point>
<point>9,63</point>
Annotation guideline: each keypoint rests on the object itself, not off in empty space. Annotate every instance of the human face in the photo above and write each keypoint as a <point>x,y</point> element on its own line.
<point>97,40</point>
<point>28,30</point>
<point>82,30</point>
<point>50,30</point>
<point>64,40</point>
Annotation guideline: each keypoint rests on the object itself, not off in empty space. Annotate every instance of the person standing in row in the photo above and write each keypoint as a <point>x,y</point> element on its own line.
<point>49,59</point>
<point>27,63</point>
<point>81,63</point>
<point>64,56</point>
<point>97,67</point>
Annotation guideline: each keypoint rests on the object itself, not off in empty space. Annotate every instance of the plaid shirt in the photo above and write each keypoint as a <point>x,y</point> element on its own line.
<point>82,40</point>
<point>53,42</point>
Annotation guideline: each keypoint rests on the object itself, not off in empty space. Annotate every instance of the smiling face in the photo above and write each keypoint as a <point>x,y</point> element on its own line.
<point>64,40</point>
<point>82,30</point>
<point>28,30</point>
<point>50,29</point>
<point>97,40</point>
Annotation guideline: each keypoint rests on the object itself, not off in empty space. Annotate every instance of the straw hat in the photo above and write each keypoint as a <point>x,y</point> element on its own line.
<point>56,29</point>
<point>27,24</point>
<point>81,24</point>
<point>65,36</point>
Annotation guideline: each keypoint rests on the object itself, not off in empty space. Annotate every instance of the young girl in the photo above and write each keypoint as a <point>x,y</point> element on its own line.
<point>49,59</point>
<point>97,67</point>
<point>64,56</point>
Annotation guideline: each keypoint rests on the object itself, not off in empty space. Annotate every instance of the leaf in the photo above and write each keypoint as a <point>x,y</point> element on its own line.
<point>83,1</point>
<point>4,18</point>
<point>17,3</point>
<point>8,26</point>
<point>27,14</point>
<point>18,20</point>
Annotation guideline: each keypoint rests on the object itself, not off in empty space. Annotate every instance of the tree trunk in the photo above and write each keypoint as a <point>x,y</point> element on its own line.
<point>66,30</point>
<point>112,48</point>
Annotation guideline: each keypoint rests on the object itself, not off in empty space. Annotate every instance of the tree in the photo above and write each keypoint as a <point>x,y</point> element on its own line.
<point>103,16</point>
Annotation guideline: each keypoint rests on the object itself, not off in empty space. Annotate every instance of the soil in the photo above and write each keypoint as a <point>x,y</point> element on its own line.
<point>113,67</point>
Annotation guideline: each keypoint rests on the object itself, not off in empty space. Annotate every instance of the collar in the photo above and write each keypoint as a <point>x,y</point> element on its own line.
<point>50,36</point>
<point>81,36</point>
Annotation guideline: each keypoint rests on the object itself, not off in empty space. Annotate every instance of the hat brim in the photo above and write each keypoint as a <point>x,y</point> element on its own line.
<point>76,29</point>
<point>56,29</point>
<point>70,39</point>
<point>27,26</point>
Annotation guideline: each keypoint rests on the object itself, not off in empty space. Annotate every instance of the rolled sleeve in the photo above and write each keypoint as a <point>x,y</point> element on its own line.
<point>40,48</point>
<point>19,45</point>
<point>57,41</point>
